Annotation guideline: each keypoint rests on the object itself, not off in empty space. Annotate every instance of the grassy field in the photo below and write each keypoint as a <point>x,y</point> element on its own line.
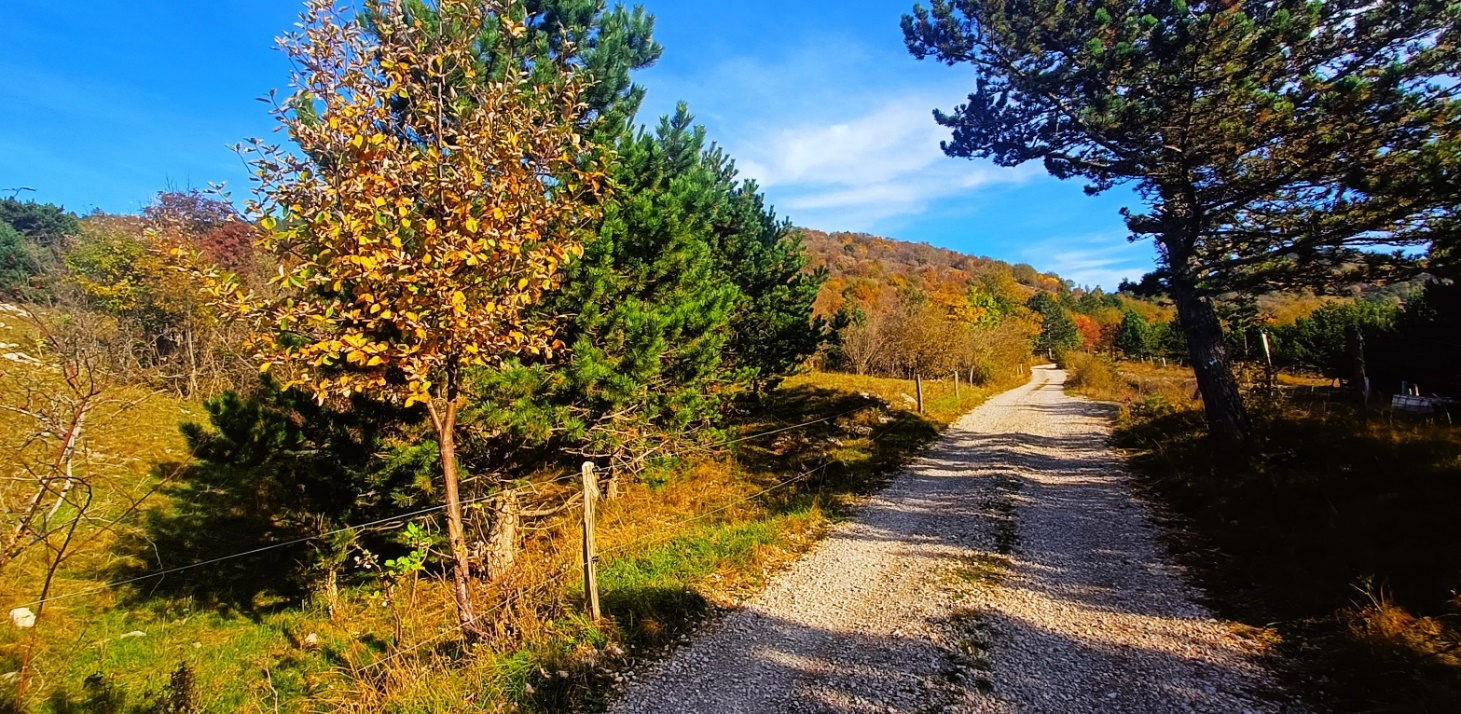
<point>692,535</point>
<point>1334,540</point>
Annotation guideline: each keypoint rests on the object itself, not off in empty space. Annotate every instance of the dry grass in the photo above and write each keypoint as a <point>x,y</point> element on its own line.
<point>1336,538</point>
<point>1145,385</point>
<point>941,403</point>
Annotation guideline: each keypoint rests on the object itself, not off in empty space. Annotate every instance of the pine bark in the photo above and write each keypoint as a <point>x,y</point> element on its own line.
<point>1227,420</point>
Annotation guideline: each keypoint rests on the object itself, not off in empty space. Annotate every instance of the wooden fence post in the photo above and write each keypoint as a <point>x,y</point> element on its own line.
<point>590,553</point>
<point>918,387</point>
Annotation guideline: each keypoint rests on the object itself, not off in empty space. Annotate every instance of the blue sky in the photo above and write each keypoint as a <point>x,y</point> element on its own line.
<point>108,103</point>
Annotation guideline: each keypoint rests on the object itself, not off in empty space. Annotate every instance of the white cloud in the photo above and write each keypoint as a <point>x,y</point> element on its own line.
<point>1103,260</point>
<point>840,135</point>
<point>854,172</point>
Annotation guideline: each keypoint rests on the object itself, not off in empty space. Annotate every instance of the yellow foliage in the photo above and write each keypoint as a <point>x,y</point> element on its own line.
<point>407,251</point>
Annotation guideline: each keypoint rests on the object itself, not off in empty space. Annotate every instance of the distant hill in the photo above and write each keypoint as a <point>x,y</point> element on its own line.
<point>862,266</point>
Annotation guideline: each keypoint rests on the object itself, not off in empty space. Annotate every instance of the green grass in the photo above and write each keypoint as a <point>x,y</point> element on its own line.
<point>1336,541</point>
<point>226,653</point>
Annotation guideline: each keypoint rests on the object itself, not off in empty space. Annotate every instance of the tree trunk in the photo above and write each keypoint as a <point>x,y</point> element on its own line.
<point>502,536</point>
<point>1226,418</point>
<point>611,487</point>
<point>1359,382</point>
<point>445,422</point>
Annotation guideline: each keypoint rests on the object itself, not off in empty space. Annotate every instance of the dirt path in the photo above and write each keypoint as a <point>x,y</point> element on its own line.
<point>1009,569</point>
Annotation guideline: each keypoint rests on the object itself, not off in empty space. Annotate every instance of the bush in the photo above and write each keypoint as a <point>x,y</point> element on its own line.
<point>1093,375</point>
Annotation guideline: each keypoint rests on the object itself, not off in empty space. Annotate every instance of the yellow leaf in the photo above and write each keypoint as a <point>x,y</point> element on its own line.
<point>264,367</point>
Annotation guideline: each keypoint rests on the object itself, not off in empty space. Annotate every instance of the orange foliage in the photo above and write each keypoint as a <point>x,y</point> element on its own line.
<point>1090,330</point>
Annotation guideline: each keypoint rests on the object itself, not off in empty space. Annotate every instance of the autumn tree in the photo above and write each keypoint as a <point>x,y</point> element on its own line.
<point>1274,144</point>
<point>924,339</point>
<point>205,221</point>
<point>866,343</point>
<point>420,216</point>
<point>1089,331</point>
<point>129,268</point>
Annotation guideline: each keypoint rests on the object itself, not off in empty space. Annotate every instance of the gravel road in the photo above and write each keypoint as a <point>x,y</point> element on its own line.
<point>1009,569</point>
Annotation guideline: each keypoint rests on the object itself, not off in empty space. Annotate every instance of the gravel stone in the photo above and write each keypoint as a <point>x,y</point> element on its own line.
<point>1009,569</point>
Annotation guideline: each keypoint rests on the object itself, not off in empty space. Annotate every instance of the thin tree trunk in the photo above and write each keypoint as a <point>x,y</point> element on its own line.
<point>1359,382</point>
<point>1223,404</point>
<point>445,422</point>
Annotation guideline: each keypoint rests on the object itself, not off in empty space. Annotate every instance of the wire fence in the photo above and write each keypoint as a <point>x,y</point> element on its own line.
<point>667,532</point>
<point>392,520</point>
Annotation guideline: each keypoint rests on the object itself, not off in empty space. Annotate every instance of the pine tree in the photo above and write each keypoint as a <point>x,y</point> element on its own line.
<point>1272,142</point>
<point>1134,336</point>
<point>775,330</point>
<point>1058,331</point>
<point>44,224</point>
<point>17,267</point>
<point>650,312</point>
<point>604,45</point>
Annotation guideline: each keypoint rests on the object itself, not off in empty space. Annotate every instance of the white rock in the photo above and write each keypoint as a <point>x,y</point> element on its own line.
<point>133,633</point>
<point>312,640</point>
<point>23,618</point>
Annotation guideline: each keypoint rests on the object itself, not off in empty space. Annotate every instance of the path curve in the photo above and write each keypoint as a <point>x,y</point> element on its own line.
<point>1008,569</point>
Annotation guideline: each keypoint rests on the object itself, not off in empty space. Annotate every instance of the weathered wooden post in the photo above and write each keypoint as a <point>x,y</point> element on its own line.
<point>918,387</point>
<point>590,553</point>
<point>1268,358</point>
